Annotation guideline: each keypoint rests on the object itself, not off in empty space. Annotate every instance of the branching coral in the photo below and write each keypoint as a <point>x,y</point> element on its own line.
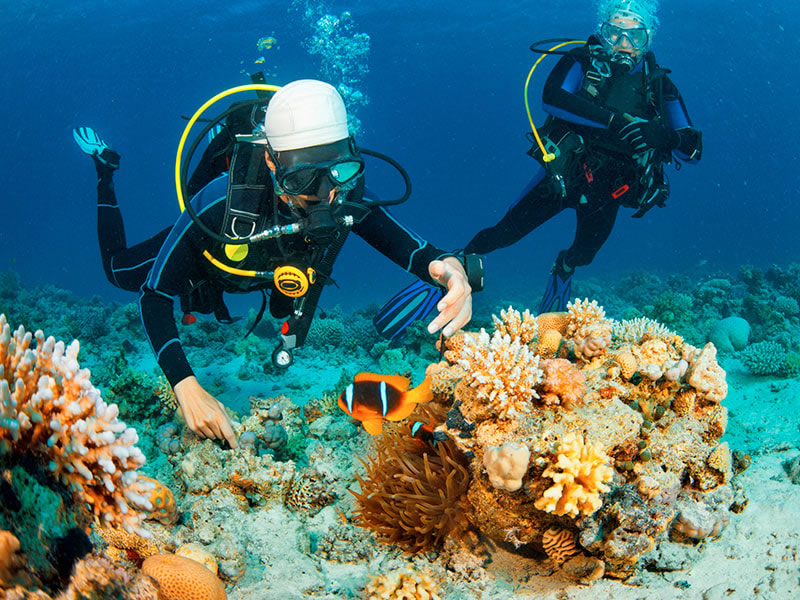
<point>503,371</point>
<point>588,327</point>
<point>413,495</point>
<point>516,325</point>
<point>580,473</point>
<point>50,409</point>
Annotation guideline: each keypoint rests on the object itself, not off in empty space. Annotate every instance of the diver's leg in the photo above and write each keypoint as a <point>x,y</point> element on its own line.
<point>537,204</point>
<point>593,229</point>
<point>125,268</point>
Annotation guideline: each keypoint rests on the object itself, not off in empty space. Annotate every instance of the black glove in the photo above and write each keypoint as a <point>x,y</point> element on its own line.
<point>643,135</point>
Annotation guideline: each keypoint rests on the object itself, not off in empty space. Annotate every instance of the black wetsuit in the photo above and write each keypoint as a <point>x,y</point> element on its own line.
<point>171,263</point>
<point>600,175</point>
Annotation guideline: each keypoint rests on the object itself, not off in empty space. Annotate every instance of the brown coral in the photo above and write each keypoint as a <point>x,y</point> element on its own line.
<point>413,495</point>
<point>559,545</point>
<point>563,383</point>
<point>183,578</point>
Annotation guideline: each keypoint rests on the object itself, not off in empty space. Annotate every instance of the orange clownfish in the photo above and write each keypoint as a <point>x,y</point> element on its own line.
<point>373,398</point>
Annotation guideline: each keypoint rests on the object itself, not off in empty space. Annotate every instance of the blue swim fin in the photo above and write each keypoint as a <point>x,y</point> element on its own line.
<point>410,304</point>
<point>556,294</point>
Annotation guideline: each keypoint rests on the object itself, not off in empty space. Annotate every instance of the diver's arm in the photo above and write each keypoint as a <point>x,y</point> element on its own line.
<point>690,147</point>
<point>399,244</point>
<point>560,96</point>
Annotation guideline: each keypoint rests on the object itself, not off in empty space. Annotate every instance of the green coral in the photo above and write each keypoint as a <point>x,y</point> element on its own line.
<point>765,358</point>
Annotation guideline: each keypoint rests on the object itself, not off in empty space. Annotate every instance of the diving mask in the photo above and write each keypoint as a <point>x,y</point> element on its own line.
<point>302,178</point>
<point>638,38</point>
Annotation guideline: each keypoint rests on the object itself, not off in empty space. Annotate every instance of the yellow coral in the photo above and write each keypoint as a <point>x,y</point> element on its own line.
<point>49,408</point>
<point>503,371</point>
<point>402,585</point>
<point>549,343</point>
<point>121,542</point>
<point>580,474</point>
<point>183,578</point>
<point>627,363</point>
<point>517,325</point>
<point>199,554</point>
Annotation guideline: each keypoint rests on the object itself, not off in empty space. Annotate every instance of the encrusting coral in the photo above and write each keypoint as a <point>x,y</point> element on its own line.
<point>50,409</point>
<point>405,584</point>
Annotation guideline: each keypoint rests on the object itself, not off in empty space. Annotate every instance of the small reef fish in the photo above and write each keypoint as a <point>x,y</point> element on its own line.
<point>374,398</point>
<point>423,432</point>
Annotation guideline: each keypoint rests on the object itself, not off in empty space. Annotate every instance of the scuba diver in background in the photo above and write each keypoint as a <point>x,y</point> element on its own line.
<point>299,182</point>
<point>614,120</point>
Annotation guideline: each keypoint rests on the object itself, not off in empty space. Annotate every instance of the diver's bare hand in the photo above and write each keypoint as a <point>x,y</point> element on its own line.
<point>455,309</point>
<point>204,414</point>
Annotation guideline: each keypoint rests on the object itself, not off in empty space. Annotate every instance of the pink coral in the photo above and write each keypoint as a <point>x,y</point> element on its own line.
<point>563,384</point>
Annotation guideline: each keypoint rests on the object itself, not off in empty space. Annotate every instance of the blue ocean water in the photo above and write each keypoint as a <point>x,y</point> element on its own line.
<point>445,86</point>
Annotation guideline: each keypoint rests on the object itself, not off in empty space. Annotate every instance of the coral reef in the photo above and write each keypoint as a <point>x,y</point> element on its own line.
<point>622,431</point>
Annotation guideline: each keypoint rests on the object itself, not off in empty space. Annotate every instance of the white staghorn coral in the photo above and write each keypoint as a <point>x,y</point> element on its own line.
<point>49,408</point>
<point>503,371</point>
<point>579,474</point>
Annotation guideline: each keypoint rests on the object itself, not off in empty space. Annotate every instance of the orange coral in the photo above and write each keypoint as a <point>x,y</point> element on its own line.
<point>549,343</point>
<point>563,384</point>
<point>164,509</point>
<point>581,313</point>
<point>516,325</point>
<point>183,578</point>
<point>503,371</point>
<point>553,320</point>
